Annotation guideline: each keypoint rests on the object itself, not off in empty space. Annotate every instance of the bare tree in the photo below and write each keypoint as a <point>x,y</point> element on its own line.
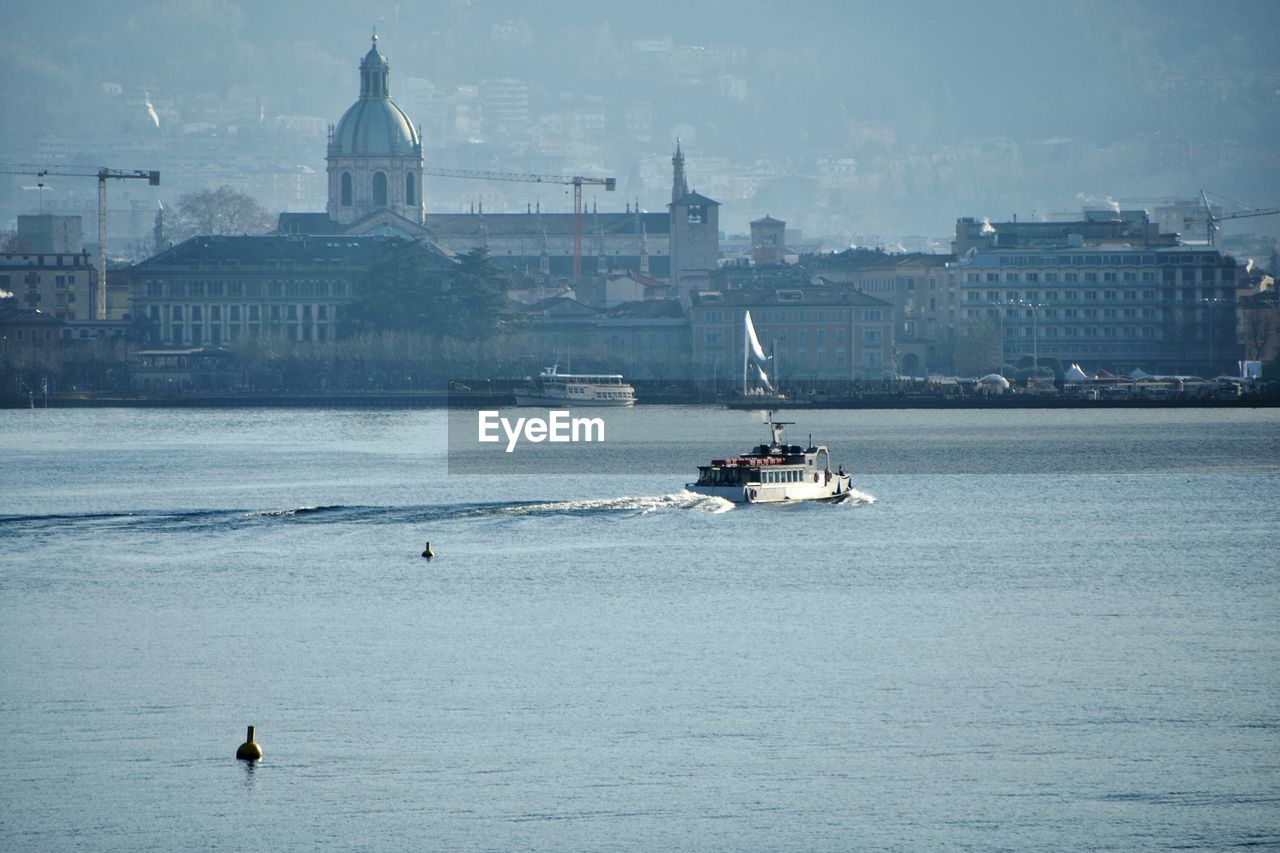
<point>1258,328</point>
<point>219,211</point>
<point>12,241</point>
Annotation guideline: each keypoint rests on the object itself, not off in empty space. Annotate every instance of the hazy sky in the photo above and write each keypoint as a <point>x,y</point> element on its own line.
<point>1152,97</point>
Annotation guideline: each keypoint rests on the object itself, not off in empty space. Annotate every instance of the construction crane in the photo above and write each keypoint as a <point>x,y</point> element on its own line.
<point>577,181</point>
<point>103,175</point>
<point>1211,219</point>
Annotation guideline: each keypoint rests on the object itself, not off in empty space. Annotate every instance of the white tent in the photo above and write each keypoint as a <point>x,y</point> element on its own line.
<point>994,379</point>
<point>1139,374</point>
<point>1074,374</point>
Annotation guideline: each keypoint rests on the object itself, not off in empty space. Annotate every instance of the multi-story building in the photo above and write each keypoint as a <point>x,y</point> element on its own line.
<point>647,339</point>
<point>631,240</point>
<point>816,333</point>
<point>59,284</point>
<point>506,106</point>
<point>768,241</point>
<point>1109,292</point>
<point>220,290</point>
<point>916,284</point>
<point>30,343</point>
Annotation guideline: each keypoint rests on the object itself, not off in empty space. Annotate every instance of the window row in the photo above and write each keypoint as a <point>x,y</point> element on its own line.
<point>1127,259</point>
<point>234,289</point>
<point>234,313</point>
<point>214,335</point>
<point>378,189</point>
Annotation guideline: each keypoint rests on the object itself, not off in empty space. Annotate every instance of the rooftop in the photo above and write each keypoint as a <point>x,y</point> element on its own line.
<point>277,249</point>
<point>814,296</point>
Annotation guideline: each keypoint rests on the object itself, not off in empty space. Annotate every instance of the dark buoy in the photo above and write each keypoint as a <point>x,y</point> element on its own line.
<point>249,751</point>
<point>427,552</point>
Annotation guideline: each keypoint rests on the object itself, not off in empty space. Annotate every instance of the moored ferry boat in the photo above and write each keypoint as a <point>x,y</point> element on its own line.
<point>551,388</point>
<point>774,473</point>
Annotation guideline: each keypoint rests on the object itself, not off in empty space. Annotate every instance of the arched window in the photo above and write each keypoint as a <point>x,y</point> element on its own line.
<point>346,189</point>
<point>380,189</point>
<point>410,196</point>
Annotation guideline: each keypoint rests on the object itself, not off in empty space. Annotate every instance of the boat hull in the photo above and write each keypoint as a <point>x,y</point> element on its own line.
<point>576,402</point>
<point>760,402</point>
<point>838,489</point>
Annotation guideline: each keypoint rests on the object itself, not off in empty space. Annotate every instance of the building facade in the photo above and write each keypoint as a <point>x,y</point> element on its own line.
<point>1116,294</point>
<point>695,243</point>
<point>646,339</point>
<point>821,334</point>
<point>918,287</point>
<point>59,284</point>
<point>30,349</point>
<point>768,241</point>
<point>214,291</point>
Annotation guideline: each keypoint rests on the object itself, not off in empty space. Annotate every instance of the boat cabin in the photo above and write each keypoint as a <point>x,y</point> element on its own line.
<point>767,464</point>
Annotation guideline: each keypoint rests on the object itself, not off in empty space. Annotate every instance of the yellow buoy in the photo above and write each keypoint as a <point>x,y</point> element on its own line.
<point>249,751</point>
<point>427,552</point>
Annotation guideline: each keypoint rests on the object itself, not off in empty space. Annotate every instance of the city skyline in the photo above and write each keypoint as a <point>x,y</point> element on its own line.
<point>775,121</point>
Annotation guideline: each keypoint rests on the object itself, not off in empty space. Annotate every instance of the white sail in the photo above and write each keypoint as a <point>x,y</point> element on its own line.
<point>752,341</point>
<point>753,357</point>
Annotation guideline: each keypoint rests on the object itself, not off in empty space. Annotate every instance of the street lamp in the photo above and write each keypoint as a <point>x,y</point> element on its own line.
<point>1212,302</point>
<point>999,306</point>
<point>1035,331</point>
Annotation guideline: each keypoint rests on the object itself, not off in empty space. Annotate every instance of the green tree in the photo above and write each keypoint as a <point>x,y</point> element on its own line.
<point>977,347</point>
<point>415,290</point>
<point>407,291</point>
<point>477,297</point>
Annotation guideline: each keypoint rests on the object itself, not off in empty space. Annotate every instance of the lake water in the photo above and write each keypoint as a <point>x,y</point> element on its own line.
<point>1037,630</point>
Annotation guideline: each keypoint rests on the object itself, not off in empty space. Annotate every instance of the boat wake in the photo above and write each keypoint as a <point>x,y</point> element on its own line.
<point>633,505</point>
<point>223,519</point>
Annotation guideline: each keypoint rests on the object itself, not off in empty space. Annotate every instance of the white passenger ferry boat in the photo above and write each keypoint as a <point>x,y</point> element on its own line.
<point>550,388</point>
<point>774,473</point>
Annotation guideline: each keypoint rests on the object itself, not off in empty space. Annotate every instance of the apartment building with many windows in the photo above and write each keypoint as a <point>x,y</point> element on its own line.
<point>1111,293</point>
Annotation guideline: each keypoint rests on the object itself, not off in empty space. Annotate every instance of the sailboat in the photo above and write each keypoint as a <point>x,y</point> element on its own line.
<point>757,390</point>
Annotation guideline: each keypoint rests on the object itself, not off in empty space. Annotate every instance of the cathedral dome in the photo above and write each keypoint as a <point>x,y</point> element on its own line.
<point>374,126</point>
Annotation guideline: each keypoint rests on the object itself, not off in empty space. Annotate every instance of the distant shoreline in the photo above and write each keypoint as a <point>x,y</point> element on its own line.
<point>444,399</point>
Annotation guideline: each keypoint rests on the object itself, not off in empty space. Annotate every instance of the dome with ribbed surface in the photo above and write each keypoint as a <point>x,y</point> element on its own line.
<point>375,126</point>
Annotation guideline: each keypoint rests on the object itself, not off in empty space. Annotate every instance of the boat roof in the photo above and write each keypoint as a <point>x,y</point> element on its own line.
<point>552,374</point>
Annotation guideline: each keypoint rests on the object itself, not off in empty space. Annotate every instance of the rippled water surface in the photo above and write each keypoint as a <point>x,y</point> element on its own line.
<point>1036,630</point>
